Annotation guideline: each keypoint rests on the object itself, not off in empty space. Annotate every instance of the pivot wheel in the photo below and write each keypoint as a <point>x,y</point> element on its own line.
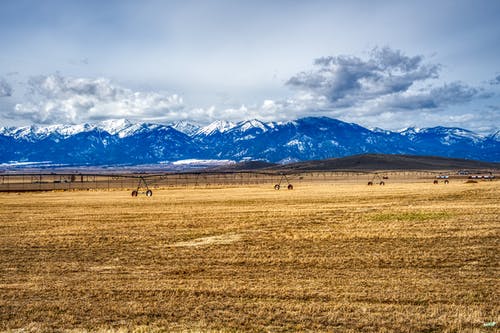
<point>290,186</point>
<point>277,186</point>
<point>134,193</point>
<point>149,193</point>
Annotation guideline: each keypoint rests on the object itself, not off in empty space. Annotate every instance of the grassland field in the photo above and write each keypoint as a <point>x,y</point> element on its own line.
<point>324,257</point>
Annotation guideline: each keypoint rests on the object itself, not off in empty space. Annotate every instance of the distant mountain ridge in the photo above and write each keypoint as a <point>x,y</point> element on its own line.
<point>372,162</point>
<point>121,142</point>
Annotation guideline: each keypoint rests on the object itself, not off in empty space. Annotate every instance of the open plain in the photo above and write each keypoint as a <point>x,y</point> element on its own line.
<point>332,257</point>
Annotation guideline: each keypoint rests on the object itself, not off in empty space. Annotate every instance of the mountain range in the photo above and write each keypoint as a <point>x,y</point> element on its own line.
<point>121,142</point>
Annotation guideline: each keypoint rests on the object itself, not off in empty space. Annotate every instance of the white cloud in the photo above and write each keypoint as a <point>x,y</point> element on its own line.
<point>348,81</point>
<point>58,99</point>
<point>495,81</point>
<point>5,88</point>
<point>388,90</point>
<point>388,81</point>
<point>272,110</point>
<point>448,94</point>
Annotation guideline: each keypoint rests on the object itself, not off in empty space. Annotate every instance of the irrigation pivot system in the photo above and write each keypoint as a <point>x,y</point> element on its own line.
<point>379,179</point>
<point>140,183</point>
<point>283,177</point>
<point>145,188</point>
<point>137,183</point>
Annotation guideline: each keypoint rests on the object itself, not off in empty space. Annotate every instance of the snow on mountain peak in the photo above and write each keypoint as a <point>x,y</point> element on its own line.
<point>453,133</point>
<point>114,126</point>
<point>124,128</point>
<point>495,136</point>
<point>409,130</point>
<point>218,126</point>
<point>254,123</point>
<point>137,128</point>
<point>185,127</point>
<point>70,129</point>
<point>35,132</point>
<point>380,130</point>
<point>302,139</point>
<point>24,132</point>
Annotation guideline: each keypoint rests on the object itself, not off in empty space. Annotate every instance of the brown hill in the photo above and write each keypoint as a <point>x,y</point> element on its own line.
<point>388,162</point>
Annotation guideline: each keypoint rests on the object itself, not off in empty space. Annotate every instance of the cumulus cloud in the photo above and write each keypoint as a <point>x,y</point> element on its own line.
<point>385,89</point>
<point>347,81</point>
<point>268,110</point>
<point>58,99</point>
<point>496,80</point>
<point>5,88</point>
<point>52,99</point>
<point>388,79</point>
<point>481,121</point>
<point>452,93</point>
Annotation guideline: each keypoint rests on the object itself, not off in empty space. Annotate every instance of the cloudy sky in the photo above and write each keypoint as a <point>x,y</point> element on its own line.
<point>388,64</point>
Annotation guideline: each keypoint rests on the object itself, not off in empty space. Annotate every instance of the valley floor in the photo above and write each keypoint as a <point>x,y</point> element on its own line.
<point>404,257</point>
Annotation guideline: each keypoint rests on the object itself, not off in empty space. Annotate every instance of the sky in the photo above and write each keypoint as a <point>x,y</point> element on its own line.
<point>386,64</point>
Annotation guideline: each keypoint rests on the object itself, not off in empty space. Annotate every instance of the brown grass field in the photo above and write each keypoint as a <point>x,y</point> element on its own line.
<point>324,257</point>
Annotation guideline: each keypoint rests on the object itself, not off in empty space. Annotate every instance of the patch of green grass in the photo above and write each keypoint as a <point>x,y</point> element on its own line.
<point>411,216</point>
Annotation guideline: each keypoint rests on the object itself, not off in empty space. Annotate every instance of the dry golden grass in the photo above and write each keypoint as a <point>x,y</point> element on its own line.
<point>323,257</point>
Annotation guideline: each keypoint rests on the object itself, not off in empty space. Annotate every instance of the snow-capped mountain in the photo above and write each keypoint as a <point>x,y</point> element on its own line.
<point>114,126</point>
<point>252,125</point>
<point>185,127</point>
<point>495,136</point>
<point>447,135</point>
<point>124,142</point>
<point>216,127</point>
<point>34,133</point>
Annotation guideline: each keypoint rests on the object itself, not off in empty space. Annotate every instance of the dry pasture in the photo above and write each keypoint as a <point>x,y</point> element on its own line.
<point>405,257</point>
